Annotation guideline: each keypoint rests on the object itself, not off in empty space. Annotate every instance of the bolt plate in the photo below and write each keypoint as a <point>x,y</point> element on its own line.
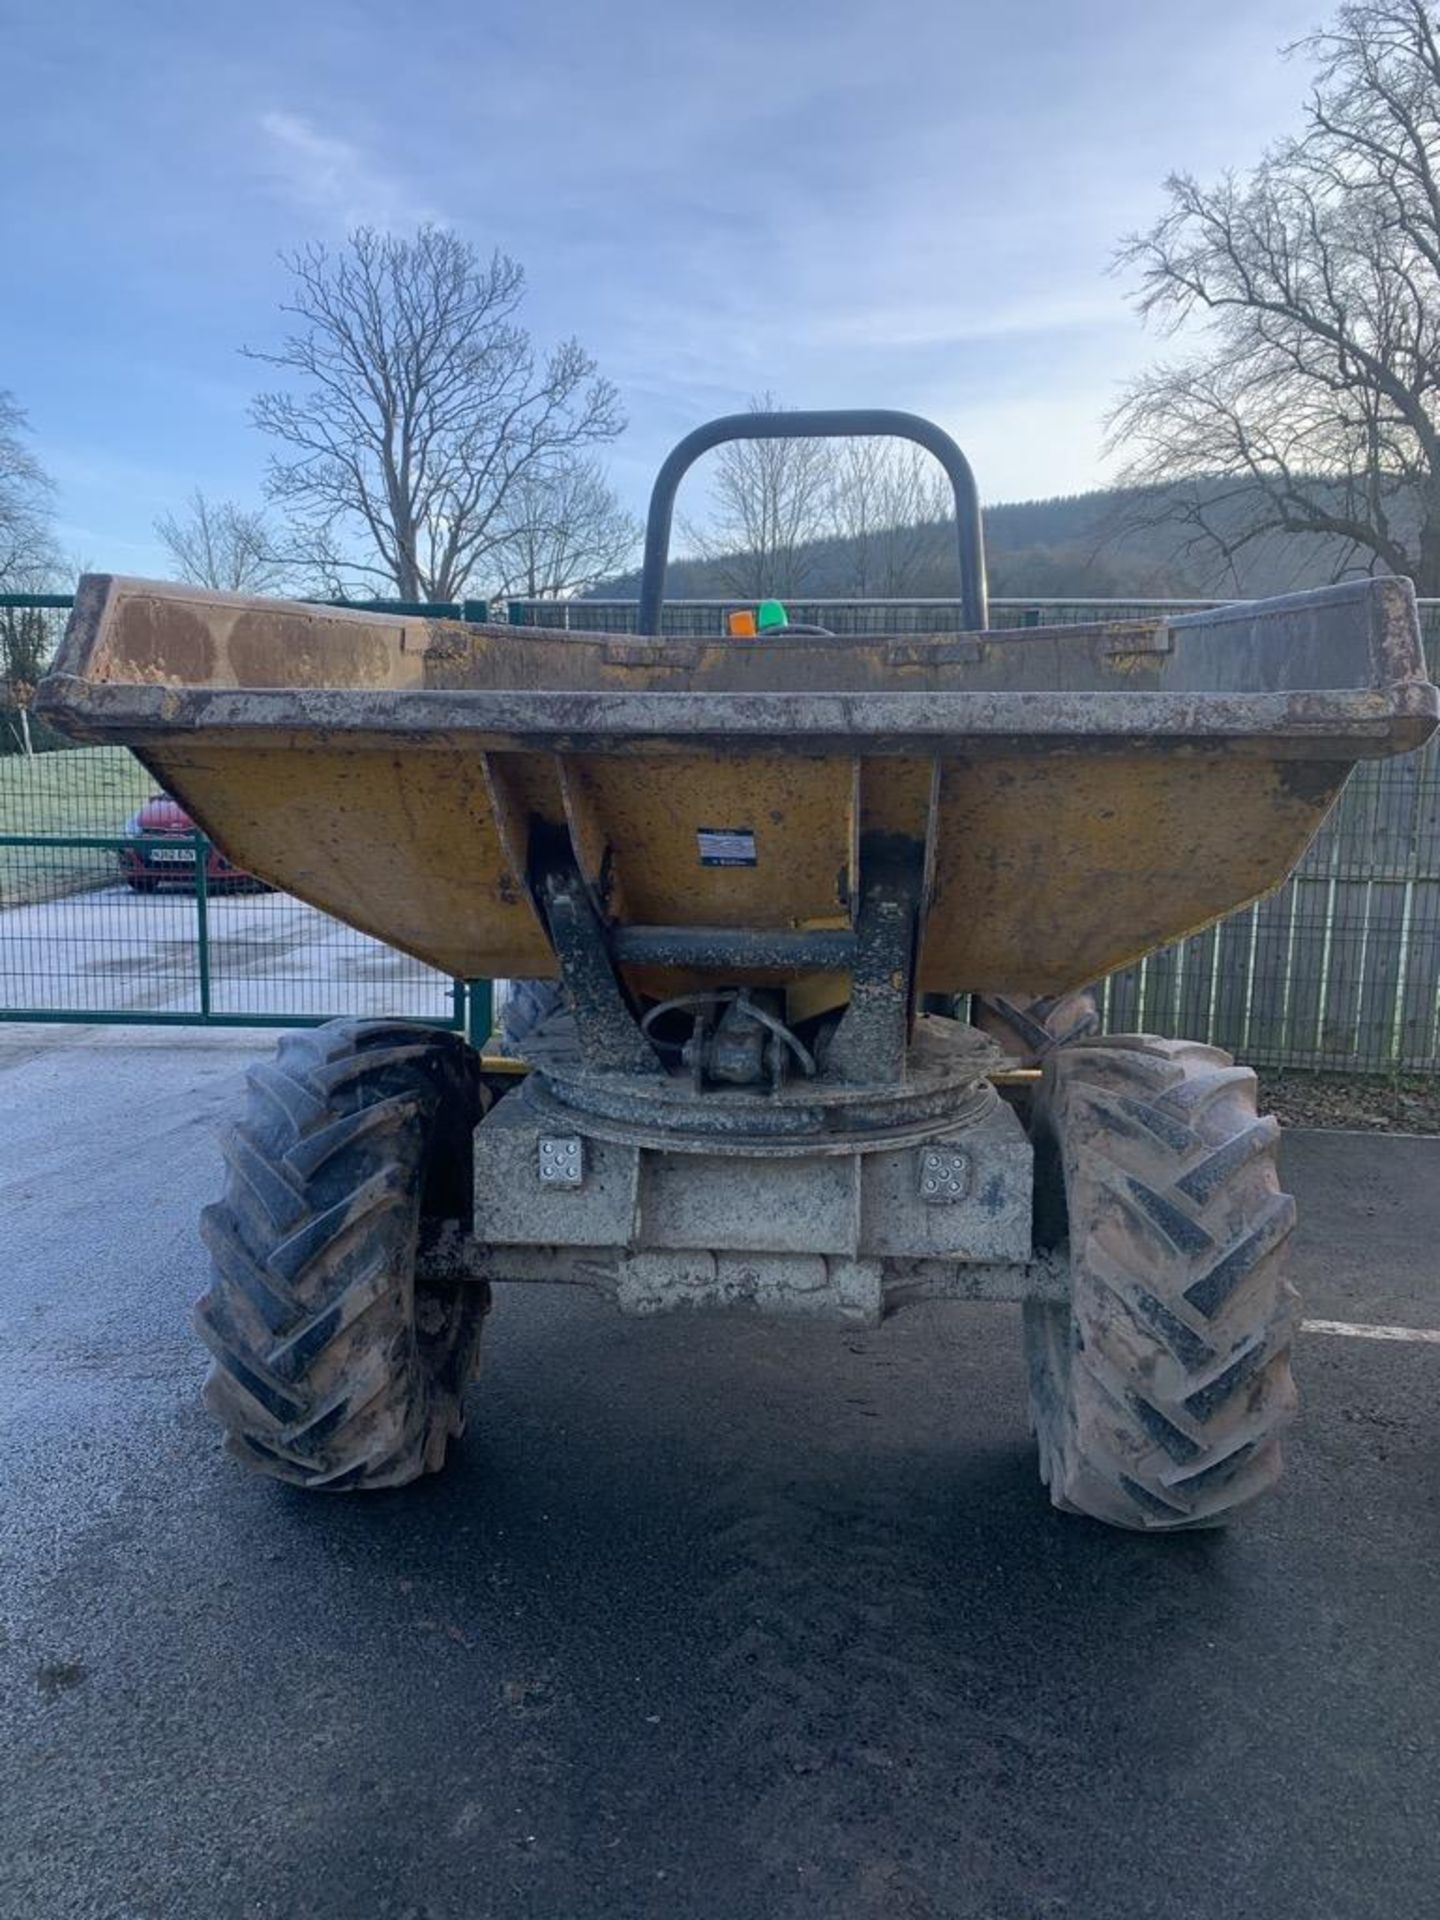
<point>944,1175</point>
<point>562,1161</point>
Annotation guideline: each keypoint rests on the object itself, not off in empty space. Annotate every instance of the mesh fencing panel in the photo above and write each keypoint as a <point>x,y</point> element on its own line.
<point>98,917</point>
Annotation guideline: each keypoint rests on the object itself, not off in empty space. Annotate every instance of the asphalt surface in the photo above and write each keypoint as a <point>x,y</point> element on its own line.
<point>707,1618</point>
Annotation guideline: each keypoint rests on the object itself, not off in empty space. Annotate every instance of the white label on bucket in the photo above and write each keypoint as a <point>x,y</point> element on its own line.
<point>726,846</point>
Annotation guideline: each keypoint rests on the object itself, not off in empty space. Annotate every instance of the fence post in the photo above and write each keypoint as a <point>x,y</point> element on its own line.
<point>202,918</point>
<point>481,1013</point>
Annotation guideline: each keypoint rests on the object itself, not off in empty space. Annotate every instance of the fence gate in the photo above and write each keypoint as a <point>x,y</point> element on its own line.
<point>101,921</point>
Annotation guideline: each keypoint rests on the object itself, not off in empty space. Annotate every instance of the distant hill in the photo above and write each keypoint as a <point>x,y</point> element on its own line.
<point>1100,545</point>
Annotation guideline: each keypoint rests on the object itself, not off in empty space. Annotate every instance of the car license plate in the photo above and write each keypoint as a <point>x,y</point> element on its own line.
<point>174,854</point>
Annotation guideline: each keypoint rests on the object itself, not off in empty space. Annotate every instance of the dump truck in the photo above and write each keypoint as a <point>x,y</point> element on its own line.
<point>769,875</point>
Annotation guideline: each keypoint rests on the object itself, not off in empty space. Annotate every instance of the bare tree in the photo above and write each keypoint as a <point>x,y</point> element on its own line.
<point>223,545</point>
<point>885,502</point>
<point>27,547</point>
<point>1310,407</point>
<point>769,503</point>
<point>565,531</point>
<point>29,563</point>
<point>419,406</point>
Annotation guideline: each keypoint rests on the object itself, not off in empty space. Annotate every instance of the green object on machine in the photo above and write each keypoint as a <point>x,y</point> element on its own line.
<point>771,614</point>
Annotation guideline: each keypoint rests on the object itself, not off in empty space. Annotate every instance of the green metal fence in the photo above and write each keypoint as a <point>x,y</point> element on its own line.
<point>176,943</point>
<point>81,942</point>
<point>1340,969</point>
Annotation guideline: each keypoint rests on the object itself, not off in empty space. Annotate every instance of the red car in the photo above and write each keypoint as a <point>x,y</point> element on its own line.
<point>147,867</point>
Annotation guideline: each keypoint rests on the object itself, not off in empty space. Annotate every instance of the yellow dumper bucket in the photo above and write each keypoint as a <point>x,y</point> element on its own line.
<point>1075,796</point>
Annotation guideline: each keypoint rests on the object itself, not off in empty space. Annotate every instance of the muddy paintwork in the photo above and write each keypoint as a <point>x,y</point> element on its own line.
<point>1081,794</point>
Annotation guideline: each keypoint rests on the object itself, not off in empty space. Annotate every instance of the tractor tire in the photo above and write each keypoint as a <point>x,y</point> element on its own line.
<point>143,884</point>
<point>1030,1029</point>
<point>333,1368</point>
<point>1158,1392</point>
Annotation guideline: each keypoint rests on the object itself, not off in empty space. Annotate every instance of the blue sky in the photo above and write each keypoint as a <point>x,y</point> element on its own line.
<point>850,204</point>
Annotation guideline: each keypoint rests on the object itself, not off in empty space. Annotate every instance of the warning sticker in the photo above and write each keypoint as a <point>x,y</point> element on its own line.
<point>726,846</point>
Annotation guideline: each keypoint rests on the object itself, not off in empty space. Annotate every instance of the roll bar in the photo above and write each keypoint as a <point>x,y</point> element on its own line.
<point>831,424</point>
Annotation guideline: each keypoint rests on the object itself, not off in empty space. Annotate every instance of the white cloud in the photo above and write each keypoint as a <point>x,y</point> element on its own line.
<point>938,325</point>
<point>332,177</point>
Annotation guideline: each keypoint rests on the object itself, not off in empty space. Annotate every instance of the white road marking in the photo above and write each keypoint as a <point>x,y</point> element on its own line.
<point>1350,1331</point>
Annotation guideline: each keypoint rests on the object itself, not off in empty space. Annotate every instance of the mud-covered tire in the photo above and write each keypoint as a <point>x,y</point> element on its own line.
<point>1159,1391</point>
<point>332,1368</point>
<point>1031,1028</point>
